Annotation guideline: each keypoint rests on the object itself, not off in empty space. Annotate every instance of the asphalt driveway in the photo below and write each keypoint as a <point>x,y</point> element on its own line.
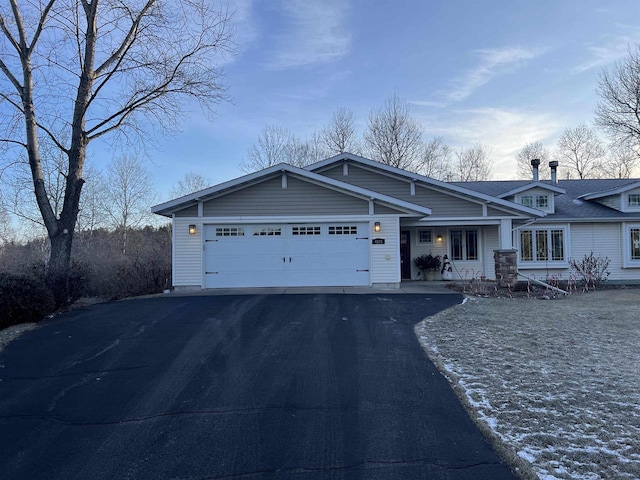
<point>242,387</point>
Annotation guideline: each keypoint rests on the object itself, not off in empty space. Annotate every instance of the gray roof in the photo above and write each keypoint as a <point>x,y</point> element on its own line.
<point>568,205</point>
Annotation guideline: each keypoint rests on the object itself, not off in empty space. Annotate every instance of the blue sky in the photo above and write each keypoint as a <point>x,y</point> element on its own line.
<point>502,73</point>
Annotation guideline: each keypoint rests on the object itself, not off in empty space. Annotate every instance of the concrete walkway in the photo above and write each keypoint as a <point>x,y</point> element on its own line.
<point>413,287</point>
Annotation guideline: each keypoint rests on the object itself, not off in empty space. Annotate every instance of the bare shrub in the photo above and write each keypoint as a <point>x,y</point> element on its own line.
<point>591,269</point>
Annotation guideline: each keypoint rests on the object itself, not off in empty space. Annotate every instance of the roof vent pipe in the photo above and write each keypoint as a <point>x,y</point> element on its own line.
<point>534,166</point>
<point>554,171</point>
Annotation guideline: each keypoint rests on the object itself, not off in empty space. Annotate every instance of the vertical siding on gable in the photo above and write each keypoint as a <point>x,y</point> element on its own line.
<point>187,254</point>
<point>299,198</point>
<point>188,212</point>
<point>385,259</point>
<point>611,202</point>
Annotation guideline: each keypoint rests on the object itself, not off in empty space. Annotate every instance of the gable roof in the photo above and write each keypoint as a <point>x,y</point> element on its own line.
<point>529,186</point>
<point>167,208</point>
<point>614,190</point>
<point>573,204</point>
<point>447,186</point>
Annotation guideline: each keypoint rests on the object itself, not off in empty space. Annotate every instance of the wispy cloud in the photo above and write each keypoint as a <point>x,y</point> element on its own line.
<point>493,62</point>
<point>318,33</point>
<point>610,50</point>
<point>505,131</point>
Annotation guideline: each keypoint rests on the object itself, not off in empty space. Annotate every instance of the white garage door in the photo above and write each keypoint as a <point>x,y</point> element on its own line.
<point>319,254</point>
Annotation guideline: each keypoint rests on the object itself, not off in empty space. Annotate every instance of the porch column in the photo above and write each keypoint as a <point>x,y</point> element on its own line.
<point>506,236</point>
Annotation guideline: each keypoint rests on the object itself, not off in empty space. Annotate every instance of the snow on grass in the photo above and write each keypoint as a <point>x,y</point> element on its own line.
<point>557,381</point>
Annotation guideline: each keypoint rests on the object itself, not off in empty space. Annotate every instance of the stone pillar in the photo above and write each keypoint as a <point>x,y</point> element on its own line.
<point>506,262</point>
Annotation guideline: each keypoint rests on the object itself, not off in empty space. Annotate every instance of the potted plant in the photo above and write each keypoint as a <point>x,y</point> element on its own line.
<point>428,264</point>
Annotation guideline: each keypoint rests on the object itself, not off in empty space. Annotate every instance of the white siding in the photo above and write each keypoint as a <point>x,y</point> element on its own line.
<point>187,253</point>
<point>612,201</point>
<point>491,243</point>
<point>385,259</point>
<point>604,239</point>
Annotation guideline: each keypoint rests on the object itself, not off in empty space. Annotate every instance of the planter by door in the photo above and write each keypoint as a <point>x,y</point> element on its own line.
<point>430,275</point>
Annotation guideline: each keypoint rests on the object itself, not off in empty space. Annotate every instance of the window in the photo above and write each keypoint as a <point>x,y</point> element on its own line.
<point>542,245</point>
<point>267,231</point>
<point>526,200</point>
<point>635,243</point>
<point>425,236</point>
<point>542,201</point>
<point>343,230</point>
<point>305,230</point>
<point>464,244</point>
<point>634,199</point>
<point>537,201</point>
<point>230,232</point>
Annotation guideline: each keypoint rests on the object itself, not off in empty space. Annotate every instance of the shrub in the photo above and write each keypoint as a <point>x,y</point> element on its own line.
<point>23,299</point>
<point>427,262</point>
<point>591,269</point>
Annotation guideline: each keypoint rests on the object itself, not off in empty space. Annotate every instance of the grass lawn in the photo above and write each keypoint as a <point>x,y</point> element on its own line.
<point>555,383</point>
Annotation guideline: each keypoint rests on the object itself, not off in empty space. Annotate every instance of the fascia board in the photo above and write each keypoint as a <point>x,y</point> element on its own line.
<point>167,207</point>
<point>530,186</point>
<point>609,193</point>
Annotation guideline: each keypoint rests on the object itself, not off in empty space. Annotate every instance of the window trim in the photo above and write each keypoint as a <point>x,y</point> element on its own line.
<point>418,232</point>
<point>637,200</point>
<point>627,261</point>
<point>464,231</point>
<point>549,262</point>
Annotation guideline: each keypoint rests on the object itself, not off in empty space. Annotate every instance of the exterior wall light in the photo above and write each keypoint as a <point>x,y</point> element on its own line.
<point>192,230</point>
<point>439,239</point>
<point>377,227</point>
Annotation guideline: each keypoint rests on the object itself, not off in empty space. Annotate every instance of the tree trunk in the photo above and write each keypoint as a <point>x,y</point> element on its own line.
<point>59,268</point>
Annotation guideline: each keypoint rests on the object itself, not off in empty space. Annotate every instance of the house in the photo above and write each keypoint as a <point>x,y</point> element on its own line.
<point>349,221</point>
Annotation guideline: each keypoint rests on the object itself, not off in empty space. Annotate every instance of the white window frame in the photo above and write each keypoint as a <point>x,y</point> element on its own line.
<point>549,262</point>
<point>464,231</point>
<point>636,202</point>
<point>629,262</point>
<point>534,200</point>
<point>418,234</point>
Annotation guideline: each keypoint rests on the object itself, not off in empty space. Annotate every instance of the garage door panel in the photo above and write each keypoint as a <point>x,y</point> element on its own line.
<point>286,255</point>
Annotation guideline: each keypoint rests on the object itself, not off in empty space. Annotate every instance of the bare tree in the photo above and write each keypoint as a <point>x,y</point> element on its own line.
<point>6,232</point>
<point>393,136</point>
<point>91,215</point>
<point>270,149</point>
<point>529,152</point>
<point>87,69</point>
<point>128,195</point>
<point>340,135</point>
<point>472,164</point>
<point>618,110</point>
<point>278,145</point>
<point>191,182</point>
<point>581,152</point>
<point>435,161</point>
<point>621,162</point>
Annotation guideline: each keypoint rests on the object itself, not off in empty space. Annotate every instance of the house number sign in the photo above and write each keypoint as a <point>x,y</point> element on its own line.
<point>377,241</point>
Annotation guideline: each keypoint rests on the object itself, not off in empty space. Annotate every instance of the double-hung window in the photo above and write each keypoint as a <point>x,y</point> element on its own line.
<point>464,244</point>
<point>542,245</point>
<point>631,242</point>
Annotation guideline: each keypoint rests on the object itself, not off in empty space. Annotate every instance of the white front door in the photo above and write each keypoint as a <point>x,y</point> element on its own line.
<point>287,255</point>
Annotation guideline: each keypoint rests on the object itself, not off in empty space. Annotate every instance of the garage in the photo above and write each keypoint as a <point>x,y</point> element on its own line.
<point>291,255</point>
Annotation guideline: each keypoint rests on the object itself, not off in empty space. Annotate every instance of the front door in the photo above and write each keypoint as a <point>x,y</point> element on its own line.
<point>405,255</point>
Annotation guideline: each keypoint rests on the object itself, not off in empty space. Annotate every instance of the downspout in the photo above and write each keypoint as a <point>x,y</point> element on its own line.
<point>555,289</point>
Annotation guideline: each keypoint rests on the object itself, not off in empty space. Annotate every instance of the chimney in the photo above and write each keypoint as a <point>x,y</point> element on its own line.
<point>554,171</point>
<point>534,165</point>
